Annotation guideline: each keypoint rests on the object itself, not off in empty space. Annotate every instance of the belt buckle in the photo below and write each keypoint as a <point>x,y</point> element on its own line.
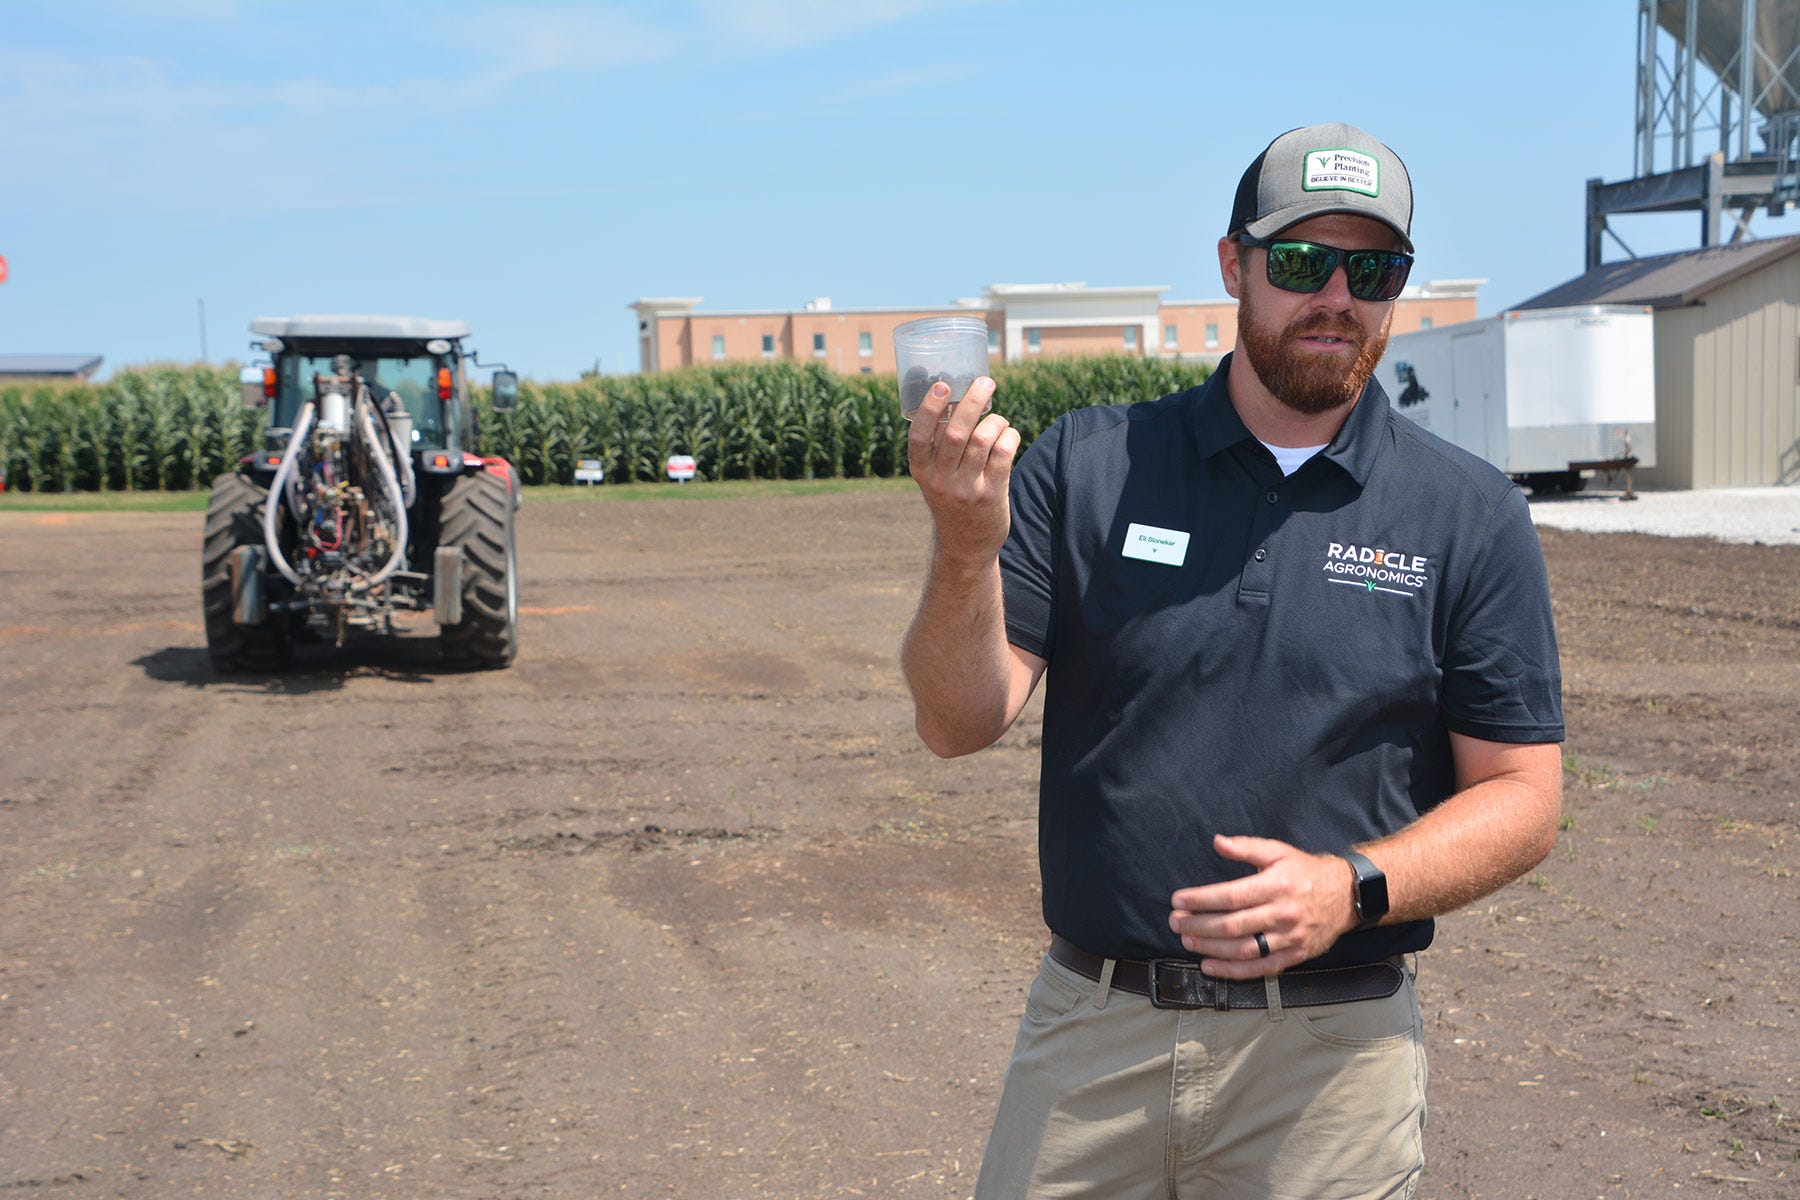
<point>1209,993</point>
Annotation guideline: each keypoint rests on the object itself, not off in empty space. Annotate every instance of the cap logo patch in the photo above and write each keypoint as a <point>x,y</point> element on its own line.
<point>1333,169</point>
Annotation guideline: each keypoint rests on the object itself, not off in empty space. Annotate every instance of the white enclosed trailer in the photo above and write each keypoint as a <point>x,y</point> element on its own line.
<point>1547,395</point>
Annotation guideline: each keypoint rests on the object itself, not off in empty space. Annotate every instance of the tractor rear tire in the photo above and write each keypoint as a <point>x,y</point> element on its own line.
<point>234,516</point>
<point>477,516</point>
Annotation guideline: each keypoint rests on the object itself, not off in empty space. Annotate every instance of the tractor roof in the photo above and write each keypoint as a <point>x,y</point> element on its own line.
<point>337,326</point>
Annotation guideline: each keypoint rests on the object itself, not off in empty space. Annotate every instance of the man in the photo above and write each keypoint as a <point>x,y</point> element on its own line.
<point>1303,696</point>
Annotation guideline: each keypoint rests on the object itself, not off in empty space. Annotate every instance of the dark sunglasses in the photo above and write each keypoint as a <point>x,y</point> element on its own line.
<point>1307,266</point>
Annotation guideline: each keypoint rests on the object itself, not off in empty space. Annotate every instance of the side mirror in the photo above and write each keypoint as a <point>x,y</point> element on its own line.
<point>506,391</point>
<point>250,387</point>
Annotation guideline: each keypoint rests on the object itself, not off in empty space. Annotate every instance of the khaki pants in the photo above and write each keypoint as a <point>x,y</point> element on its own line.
<point>1109,1096</point>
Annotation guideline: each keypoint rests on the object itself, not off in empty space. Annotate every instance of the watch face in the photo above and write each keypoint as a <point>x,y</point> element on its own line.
<point>1372,890</point>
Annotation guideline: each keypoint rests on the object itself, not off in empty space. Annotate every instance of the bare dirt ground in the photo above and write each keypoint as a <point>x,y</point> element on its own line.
<point>679,907</point>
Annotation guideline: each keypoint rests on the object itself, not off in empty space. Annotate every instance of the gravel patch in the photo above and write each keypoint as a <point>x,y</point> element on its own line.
<point>1766,515</point>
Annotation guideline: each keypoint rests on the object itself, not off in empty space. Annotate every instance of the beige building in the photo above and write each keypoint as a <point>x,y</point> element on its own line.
<point>1025,321</point>
<point>851,340</point>
<point>1727,331</point>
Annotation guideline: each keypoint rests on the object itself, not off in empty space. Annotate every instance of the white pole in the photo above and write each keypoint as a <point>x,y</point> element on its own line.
<point>1746,76</point>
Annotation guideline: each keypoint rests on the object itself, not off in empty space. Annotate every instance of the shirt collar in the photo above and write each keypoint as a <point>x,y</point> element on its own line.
<point>1217,426</point>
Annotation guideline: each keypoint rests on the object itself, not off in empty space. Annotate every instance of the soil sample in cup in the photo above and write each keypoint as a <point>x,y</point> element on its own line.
<point>918,380</point>
<point>951,350</point>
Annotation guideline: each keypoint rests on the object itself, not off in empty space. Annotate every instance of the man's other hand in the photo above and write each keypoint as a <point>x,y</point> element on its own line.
<point>1299,902</point>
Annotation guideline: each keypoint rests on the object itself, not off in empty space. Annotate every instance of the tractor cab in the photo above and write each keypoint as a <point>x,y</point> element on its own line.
<point>414,368</point>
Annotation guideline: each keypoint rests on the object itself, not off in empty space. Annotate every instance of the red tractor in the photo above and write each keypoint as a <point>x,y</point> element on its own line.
<point>365,502</point>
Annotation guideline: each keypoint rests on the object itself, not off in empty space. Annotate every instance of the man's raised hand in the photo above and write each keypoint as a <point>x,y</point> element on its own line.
<point>962,464</point>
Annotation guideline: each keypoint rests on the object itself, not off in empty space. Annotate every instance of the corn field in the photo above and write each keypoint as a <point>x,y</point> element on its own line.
<point>162,428</point>
<point>175,428</point>
<point>777,420</point>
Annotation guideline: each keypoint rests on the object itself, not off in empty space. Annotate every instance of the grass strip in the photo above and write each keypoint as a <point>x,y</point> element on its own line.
<point>730,489</point>
<point>61,502</point>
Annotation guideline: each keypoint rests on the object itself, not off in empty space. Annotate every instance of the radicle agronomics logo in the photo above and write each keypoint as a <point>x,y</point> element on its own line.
<point>1376,569</point>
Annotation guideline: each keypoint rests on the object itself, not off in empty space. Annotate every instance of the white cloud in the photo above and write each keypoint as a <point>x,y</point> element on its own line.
<point>527,40</point>
<point>171,10</point>
<point>530,39</point>
<point>905,80</point>
<point>86,132</point>
<point>790,24</point>
<point>126,133</point>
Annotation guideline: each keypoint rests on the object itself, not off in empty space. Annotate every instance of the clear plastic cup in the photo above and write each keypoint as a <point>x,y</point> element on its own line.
<point>951,349</point>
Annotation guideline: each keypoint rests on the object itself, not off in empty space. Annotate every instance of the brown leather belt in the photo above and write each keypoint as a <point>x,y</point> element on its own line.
<point>1178,983</point>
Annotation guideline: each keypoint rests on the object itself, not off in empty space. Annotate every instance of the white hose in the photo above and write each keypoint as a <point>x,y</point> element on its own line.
<point>366,427</point>
<point>402,454</point>
<point>403,460</point>
<point>278,489</point>
<point>411,483</point>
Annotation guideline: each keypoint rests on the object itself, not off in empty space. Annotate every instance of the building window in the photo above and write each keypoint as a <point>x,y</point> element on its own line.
<point>1131,334</point>
<point>718,347</point>
<point>1212,333</point>
<point>1034,340</point>
<point>1169,339</point>
<point>993,340</point>
<point>768,345</point>
<point>865,344</point>
<point>1424,322</point>
<point>818,345</point>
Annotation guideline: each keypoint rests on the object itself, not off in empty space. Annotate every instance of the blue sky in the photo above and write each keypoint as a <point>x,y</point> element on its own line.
<point>535,168</point>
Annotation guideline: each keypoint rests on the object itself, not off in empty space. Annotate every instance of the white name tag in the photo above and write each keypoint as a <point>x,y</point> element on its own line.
<point>1166,546</point>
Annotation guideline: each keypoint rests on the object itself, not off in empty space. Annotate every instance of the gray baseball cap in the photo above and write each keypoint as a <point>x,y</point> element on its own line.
<point>1323,169</point>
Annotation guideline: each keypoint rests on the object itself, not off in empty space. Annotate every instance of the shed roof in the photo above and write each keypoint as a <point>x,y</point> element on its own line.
<point>1667,280</point>
<point>48,364</point>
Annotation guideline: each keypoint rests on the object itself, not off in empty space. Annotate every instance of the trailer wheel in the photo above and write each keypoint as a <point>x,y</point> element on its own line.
<point>234,515</point>
<point>477,516</point>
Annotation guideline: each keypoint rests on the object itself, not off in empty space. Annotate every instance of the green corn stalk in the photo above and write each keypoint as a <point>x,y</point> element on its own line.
<point>37,414</point>
<point>11,413</point>
<point>58,447</point>
<point>546,441</point>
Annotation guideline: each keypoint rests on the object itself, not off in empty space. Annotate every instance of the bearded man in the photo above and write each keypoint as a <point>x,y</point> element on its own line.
<point>1303,697</point>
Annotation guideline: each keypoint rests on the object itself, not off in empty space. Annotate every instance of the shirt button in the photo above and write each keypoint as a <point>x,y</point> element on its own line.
<point>1261,554</point>
<point>1273,497</point>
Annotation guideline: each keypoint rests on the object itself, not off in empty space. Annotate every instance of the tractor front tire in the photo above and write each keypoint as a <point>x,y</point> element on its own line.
<point>234,516</point>
<point>477,517</point>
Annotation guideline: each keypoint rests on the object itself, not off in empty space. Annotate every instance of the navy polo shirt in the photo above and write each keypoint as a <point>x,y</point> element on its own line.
<point>1232,651</point>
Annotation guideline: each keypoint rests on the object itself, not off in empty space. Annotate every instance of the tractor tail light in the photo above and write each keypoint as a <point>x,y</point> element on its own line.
<point>268,383</point>
<point>443,383</point>
<point>440,461</point>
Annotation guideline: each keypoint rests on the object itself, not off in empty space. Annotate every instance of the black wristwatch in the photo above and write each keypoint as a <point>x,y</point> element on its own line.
<point>1370,894</point>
